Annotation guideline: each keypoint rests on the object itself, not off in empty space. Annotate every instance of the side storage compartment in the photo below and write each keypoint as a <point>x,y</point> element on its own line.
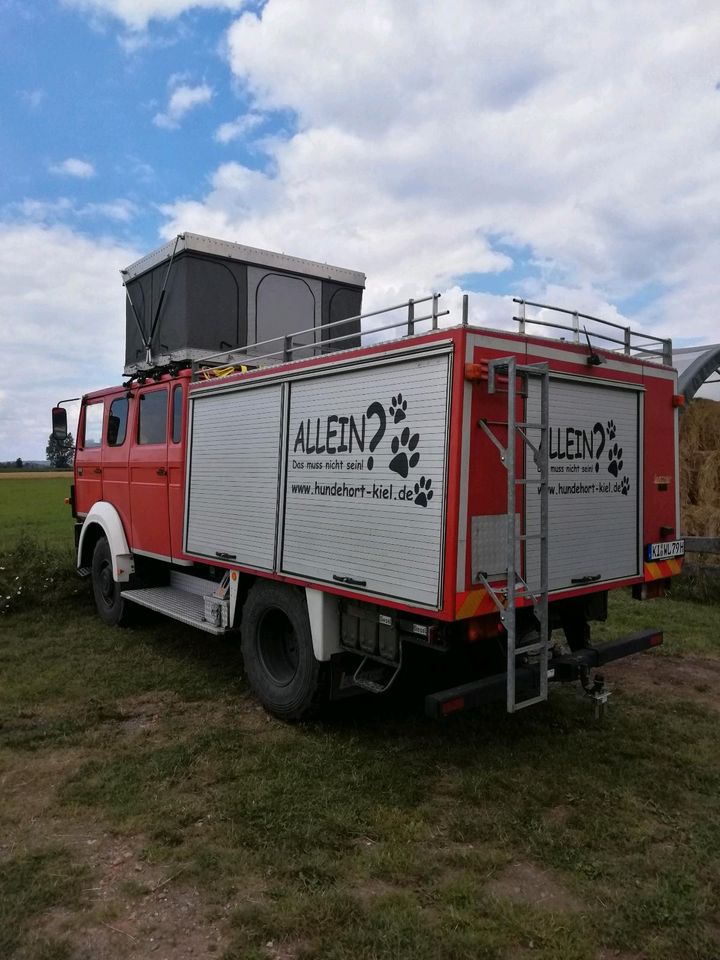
<point>595,502</point>
<point>234,475</point>
<point>365,491</point>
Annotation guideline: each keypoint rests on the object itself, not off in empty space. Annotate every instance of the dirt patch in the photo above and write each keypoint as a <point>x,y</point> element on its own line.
<point>687,678</point>
<point>134,909</point>
<point>367,891</point>
<point>526,883</point>
<point>607,954</point>
<point>284,951</point>
<point>558,815</point>
<point>165,714</point>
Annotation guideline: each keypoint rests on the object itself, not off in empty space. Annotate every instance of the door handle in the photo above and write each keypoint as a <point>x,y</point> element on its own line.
<point>350,581</point>
<point>97,470</point>
<point>161,472</point>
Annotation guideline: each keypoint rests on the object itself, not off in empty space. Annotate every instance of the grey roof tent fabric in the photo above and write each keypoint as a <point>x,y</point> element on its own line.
<point>202,296</point>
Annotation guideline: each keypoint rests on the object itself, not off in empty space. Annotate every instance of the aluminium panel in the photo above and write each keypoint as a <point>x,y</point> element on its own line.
<point>366,479</point>
<point>233,475</point>
<point>594,483</point>
<point>489,546</point>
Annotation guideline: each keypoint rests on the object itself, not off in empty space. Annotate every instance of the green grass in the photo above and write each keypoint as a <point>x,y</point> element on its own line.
<point>31,884</point>
<point>372,833</point>
<point>33,506</point>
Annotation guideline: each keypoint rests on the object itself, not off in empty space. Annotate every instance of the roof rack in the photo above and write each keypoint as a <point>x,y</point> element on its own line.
<point>652,347</point>
<point>286,348</point>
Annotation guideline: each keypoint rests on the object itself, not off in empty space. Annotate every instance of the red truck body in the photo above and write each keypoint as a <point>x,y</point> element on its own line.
<point>146,482</point>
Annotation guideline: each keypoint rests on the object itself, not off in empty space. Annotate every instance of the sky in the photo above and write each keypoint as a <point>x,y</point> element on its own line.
<point>566,152</point>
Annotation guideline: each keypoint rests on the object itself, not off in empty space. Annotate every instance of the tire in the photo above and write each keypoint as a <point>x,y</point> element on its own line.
<point>110,605</point>
<point>277,651</point>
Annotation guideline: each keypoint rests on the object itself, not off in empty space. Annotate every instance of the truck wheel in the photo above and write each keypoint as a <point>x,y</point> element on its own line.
<point>277,651</point>
<point>110,605</point>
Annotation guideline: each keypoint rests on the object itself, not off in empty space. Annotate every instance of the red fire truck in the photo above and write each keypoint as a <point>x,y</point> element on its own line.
<point>338,501</point>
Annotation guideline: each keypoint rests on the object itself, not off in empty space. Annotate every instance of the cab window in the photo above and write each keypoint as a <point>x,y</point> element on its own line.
<point>152,421</point>
<point>117,422</point>
<point>177,414</point>
<point>93,425</point>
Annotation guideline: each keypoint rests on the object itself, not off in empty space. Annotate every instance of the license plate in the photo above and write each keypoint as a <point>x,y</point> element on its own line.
<point>665,550</point>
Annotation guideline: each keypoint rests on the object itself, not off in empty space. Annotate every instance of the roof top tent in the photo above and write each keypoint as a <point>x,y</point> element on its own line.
<point>197,296</point>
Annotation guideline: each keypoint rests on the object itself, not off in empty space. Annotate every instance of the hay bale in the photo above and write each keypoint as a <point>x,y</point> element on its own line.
<point>700,425</point>
<point>700,468</point>
<point>709,480</point>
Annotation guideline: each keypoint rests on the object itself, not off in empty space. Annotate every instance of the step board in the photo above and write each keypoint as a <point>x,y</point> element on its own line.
<point>183,605</point>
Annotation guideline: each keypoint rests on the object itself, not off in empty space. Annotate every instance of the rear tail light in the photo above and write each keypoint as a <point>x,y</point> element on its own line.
<point>481,628</point>
<point>453,706</point>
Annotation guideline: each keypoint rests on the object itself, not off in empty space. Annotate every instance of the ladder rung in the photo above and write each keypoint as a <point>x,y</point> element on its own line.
<point>520,704</point>
<point>532,536</point>
<point>532,426</point>
<point>531,648</point>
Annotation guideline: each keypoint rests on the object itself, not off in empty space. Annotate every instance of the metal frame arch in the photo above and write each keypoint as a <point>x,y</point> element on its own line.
<point>699,371</point>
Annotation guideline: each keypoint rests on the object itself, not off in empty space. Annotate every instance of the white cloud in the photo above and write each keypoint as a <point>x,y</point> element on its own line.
<point>121,210</point>
<point>137,14</point>
<point>437,140</point>
<point>235,129</point>
<point>64,294</point>
<point>73,167</point>
<point>183,98</point>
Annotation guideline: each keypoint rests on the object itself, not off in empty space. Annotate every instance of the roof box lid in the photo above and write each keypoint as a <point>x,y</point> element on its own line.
<point>237,251</point>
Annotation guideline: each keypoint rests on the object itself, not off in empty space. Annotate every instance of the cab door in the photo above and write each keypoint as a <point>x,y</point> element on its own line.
<point>176,465</point>
<point>88,456</point>
<point>148,463</point>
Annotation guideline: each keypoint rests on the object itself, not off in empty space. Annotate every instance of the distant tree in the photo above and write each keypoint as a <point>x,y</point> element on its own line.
<point>19,463</point>
<point>59,453</point>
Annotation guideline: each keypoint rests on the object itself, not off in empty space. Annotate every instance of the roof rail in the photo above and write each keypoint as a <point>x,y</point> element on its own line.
<point>285,348</point>
<point>289,349</point>
<point>651,347</point>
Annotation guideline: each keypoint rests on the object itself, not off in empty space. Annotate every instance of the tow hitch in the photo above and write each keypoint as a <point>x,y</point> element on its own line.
<point>595,689</point>
<point>564,669</point>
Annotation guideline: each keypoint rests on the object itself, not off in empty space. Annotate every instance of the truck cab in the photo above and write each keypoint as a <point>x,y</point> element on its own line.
<point>130,453</point>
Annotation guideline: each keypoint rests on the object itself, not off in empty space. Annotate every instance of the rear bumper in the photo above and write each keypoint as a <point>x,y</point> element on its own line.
<point>563,669</point>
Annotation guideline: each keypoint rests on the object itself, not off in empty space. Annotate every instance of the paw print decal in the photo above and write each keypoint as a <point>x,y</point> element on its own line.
<point>397,408</point>
<point>402,446</point>
<point>611,429</point>
<point>615,463</point>
<point>423,491</point>
<point>624,486</point>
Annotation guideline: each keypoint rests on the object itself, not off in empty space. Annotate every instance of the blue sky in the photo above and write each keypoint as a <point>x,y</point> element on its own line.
<point>567,153</point>
<point>73,89</point>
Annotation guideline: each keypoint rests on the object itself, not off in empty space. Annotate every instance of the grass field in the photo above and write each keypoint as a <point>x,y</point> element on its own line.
<point>150,808</point>
<point>33,502</point>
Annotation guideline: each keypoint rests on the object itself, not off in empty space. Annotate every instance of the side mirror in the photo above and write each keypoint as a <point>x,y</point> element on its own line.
<point>59,423</point>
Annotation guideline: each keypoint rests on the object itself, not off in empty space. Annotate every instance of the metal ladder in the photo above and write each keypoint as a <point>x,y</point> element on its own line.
<point>516,587</point>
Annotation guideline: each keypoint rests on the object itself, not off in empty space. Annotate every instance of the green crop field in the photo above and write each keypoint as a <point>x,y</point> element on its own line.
<point>150,808</point>
<point>32,506</point>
